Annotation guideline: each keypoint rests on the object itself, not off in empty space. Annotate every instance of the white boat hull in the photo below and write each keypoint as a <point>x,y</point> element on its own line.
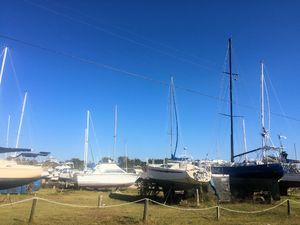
<point>105,180</point>
<point>177,178</point>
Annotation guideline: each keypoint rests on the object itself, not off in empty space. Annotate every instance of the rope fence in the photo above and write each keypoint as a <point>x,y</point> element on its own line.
<point>15,203</point>
<point>146,206</point>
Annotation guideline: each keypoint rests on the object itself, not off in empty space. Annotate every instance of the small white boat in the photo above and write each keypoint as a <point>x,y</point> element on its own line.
<point>106,175</point>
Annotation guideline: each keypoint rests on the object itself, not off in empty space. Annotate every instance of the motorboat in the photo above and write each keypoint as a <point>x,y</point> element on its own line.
<point>14,175</point>
<point>106,175</point>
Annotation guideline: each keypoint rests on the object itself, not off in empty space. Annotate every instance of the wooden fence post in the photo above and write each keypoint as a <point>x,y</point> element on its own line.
<point>145,216</point>
<point>197,196</point>
<point>288,207</point>
<point>218,212</point>
<point>99,203</point>
<point>32,210</point>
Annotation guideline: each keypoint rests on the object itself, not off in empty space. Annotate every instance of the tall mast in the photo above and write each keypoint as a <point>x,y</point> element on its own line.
<point>21,120</point>
<point>86,141</point>
<point>3,63</point>
<point>115,131</point>
<point>231,110</point>
<point>245,140</point>
<point>7,133</point>
<point>263,134</point>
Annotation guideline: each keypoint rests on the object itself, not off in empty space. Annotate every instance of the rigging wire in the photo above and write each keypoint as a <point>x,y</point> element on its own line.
<point>28,107</point>
<point>277,98</point>
<point>92,153</point>
<point>131,74</point>
<point>223,92</point>
<point>94,133</point>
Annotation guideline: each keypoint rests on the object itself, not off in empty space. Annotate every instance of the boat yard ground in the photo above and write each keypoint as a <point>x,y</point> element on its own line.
<point>49,213</point>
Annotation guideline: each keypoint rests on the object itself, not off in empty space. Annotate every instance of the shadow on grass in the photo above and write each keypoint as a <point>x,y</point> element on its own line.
<point>131,198</point>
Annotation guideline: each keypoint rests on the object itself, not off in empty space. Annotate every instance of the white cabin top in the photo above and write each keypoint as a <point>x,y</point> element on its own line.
<point>108,168</point>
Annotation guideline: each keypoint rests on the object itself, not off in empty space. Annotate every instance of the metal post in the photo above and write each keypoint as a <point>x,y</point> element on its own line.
<point>32,210</point>
<point>145,216</point>
<point>288,207</point>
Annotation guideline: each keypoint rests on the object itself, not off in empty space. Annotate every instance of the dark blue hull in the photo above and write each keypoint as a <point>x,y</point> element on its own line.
<point>272,171</point>
<point>247,179</point>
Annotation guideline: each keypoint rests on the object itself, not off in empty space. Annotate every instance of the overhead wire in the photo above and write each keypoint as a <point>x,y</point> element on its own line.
<point>130,74</point>
<point>141,36</point>
<point>96,27</point>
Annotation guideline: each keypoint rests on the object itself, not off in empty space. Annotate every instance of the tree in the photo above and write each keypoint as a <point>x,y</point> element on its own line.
<point>78,163</point>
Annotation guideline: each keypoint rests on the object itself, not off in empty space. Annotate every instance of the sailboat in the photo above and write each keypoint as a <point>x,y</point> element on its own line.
<point>249,177</point>
<point>104,175</point>
<point>11,174</point>
<point>177,173</point>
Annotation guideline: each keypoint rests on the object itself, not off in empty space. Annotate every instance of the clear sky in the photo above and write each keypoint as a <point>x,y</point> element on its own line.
<point>113,45</point>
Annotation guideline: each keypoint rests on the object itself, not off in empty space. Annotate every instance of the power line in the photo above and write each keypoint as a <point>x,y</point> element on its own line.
<point>131,74</point>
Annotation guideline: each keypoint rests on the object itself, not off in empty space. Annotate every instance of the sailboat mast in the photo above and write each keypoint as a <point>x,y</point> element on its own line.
<point>126,157</point>
<point>86,141</point>
<point>263,134</point>
<point>231,108</point>
<point>21,120</point>
<point>295,149</point>
<point>115,131</point>
<point>7,134</point>
<point>245,140</point>
<point>3,63</point>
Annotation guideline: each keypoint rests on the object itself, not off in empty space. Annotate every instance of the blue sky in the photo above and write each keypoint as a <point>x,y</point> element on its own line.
<point>156,39</point>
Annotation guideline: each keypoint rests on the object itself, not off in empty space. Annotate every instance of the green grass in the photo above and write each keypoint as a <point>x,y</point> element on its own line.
<point>47,213</point>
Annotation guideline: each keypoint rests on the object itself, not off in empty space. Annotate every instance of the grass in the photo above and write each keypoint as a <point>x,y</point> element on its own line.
<point>48,214</point>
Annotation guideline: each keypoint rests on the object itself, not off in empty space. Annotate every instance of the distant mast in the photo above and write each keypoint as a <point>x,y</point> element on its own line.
<point>115,131</point>
<point>7,133</point>
<point>126,157</point>
<point>231,109</point>
<point>21,120</point>
<point>86,141</point>
<point>3,63</point>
